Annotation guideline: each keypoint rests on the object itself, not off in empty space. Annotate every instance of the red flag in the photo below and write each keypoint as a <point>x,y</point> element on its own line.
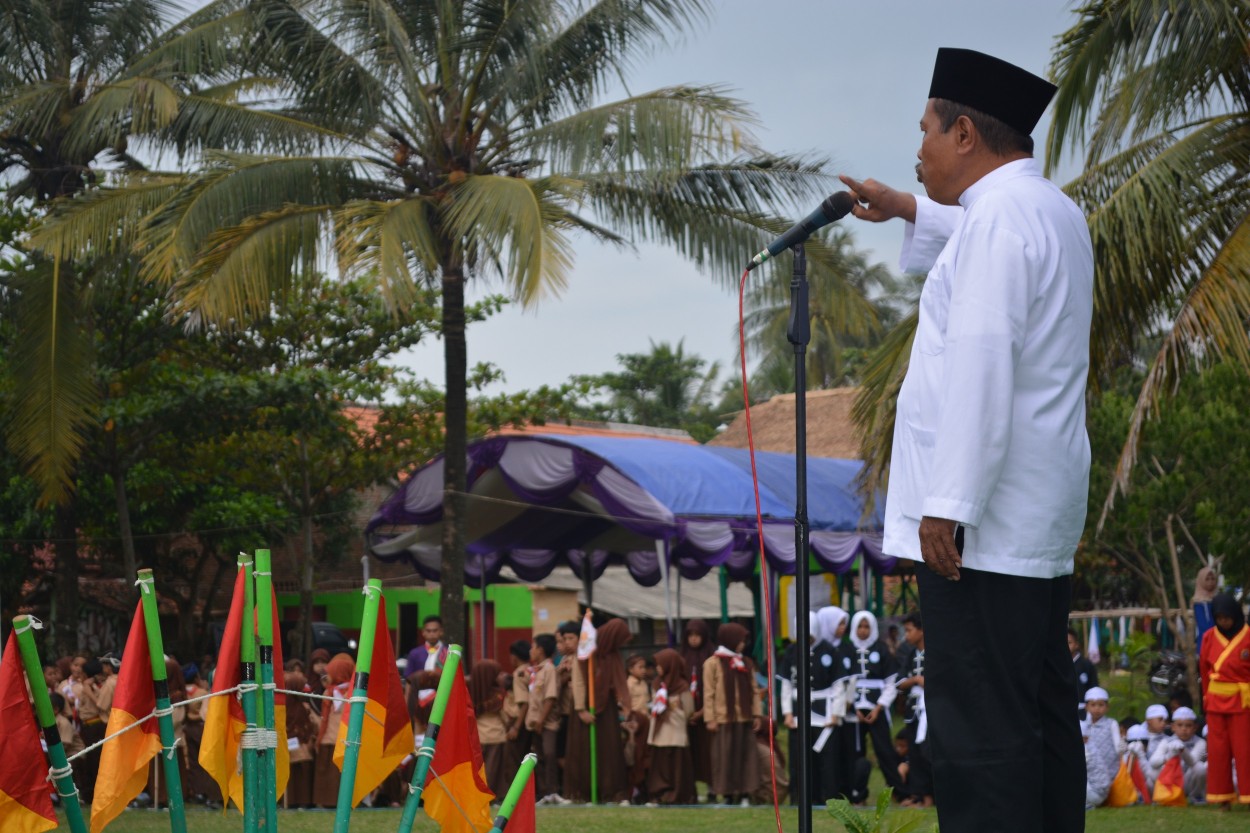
<point>25,794</point>
<point>224,721</point>
<point>1170,785</point>
<point>386,735</point>
<point>522,819</point>
<point>460,770</point>
<point>124,759</point>
<point>1139,779</point>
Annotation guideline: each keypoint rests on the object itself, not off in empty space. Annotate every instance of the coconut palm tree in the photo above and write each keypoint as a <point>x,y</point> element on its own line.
<point>437,141</point>
<point>1157,94</point>
<point>1156,97</point>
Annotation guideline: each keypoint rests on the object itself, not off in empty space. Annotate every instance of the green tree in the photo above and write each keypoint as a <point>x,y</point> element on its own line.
<point>840,331</point>
<point>436,141</point>
<point>1187,501</point>
<point>665,388</point>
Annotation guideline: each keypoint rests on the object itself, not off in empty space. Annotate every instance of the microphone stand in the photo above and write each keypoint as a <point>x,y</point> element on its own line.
<point>798,333</point>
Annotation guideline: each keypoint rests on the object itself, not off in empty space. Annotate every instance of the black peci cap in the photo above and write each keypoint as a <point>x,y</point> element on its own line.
<point>1012,95</point>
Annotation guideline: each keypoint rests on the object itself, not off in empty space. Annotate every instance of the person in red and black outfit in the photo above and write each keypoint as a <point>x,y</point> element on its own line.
<point>1225,666</point>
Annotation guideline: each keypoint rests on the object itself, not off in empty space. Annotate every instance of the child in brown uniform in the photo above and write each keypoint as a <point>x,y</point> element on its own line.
<point>670,777</point>
<point>731,710</point>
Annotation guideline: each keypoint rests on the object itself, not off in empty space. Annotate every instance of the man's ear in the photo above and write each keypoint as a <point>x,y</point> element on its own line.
<point>966,136</point>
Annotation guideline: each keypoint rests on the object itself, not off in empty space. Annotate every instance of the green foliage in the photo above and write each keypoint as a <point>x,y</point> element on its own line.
<point>665,388</point>
<point>877,820</point>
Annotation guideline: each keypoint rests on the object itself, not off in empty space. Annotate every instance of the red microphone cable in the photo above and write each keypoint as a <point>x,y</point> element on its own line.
<point>759,527</point>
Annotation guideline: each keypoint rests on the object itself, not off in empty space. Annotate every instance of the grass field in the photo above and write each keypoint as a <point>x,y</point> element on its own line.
<point>688,820</point>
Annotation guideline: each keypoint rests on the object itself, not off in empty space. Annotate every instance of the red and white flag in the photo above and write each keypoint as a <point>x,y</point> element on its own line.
<point>586,642</point>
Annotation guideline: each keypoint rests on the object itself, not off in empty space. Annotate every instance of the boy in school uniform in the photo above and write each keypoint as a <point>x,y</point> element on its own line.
<point>1192,751</point>
<point>1102,747</point>
<point>542,719</point>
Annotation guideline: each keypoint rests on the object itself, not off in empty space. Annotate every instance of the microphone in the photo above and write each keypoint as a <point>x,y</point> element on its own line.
<point>834,208</point>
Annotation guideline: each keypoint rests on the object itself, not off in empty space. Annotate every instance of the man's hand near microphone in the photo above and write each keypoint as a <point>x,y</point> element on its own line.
<point>877,202</point>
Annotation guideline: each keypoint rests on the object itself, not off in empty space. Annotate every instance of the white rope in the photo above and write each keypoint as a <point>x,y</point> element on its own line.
<point>169,750</point>
<point>165,712</point>
<point>260,573</point>
<point>31,624</point>
<point>138,723</point>
<point>55,773</point>
<point>256,738</point>
<point>369,590</point>
<point>145,584</point>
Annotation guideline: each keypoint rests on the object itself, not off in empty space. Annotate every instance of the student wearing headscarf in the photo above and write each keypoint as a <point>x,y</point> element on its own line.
<point>492,731</point>
<point>1205,587</point>
<point>824,672</point>
<point>868,694</point>
<point>1225,666</point>
<point>731,711</point>
<point>611,706</point>
<point>670,778</point>
<point>302,726</point>
<point>696,647</point>
<point>337,684</point>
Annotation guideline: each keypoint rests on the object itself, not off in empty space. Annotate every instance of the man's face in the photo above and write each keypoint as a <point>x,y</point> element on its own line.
<point>433,632</point>
<point>1096,709</point>
<point>568,643</point>
<point>912,634</point>
<point>1073,646</point>
<point>938,159</point>
<point>1184,729</point>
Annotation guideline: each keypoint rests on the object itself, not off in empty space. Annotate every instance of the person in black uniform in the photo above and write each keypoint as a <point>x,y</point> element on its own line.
<point>824,673</point>
<point>1086,671</point>
<point>919,790</point>
<point>868,693</point>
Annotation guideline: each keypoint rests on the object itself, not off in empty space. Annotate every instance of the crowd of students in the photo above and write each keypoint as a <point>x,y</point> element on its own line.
<point>666,721</point>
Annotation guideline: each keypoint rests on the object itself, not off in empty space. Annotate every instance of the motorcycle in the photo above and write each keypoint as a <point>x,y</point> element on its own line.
<point>1167,673</point>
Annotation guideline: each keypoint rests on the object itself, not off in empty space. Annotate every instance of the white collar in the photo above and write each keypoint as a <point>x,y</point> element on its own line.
<point>1001,174</point>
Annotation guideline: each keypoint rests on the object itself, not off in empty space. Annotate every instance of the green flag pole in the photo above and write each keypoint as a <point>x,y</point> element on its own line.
<point>247,682</point>
<point>62,774</point>
<point>269,754</point>
<point>356,719</point>
<point>594,737</point>
<point>514,791</point>
<point>426,753</point>
<point>164,711</point>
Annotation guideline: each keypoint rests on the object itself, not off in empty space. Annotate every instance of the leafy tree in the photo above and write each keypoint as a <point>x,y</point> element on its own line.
<point>665,388</point>
<point>1155,96</point>
<point>1189,500</point>
<point>431,142</point>
<point>839,327</point>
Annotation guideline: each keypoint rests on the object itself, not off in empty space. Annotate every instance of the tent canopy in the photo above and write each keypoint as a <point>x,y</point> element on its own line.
<point>536,502</point>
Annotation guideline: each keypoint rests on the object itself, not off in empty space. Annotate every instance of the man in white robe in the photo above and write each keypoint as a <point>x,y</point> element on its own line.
<point>990,468</point>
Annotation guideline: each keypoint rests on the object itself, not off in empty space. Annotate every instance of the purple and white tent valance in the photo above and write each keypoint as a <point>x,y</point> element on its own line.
<point>537,502</point>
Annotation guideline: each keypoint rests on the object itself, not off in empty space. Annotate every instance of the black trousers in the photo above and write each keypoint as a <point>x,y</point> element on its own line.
<point>999,686</point>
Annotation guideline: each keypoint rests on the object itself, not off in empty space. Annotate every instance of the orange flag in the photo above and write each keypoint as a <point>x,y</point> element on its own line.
<point>460,770</point>
<point>522,819</point>
<point>25,794</point>
<point>124,759</point>
<point>224,720</point>
<point>1170,785</point>
<point>386,736</point>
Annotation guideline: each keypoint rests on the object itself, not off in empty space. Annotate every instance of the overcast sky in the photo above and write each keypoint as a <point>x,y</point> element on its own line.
<point>846,79</point>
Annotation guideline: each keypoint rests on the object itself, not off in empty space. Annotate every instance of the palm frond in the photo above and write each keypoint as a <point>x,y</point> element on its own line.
<point>674,128</point>
<point>386,239</point>
<point>140,104</point>
<point>217,119</point>
<point>234,188</point>
<point>104,220</point>
<point>54,396</point>
<point>243,266</point>
<point>1210,326</point>
<point>874,408</point>
<point>32,110</point>
<point>518,225</point>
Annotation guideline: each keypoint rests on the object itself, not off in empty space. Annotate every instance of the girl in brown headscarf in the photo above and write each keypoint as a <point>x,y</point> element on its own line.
<point>696,647</point>
<point>302,725</point>
<point>611,708</point>
<point>492,732</point>
<point>337,684</point>
<point>731,711</point>
<point>670,779</point>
